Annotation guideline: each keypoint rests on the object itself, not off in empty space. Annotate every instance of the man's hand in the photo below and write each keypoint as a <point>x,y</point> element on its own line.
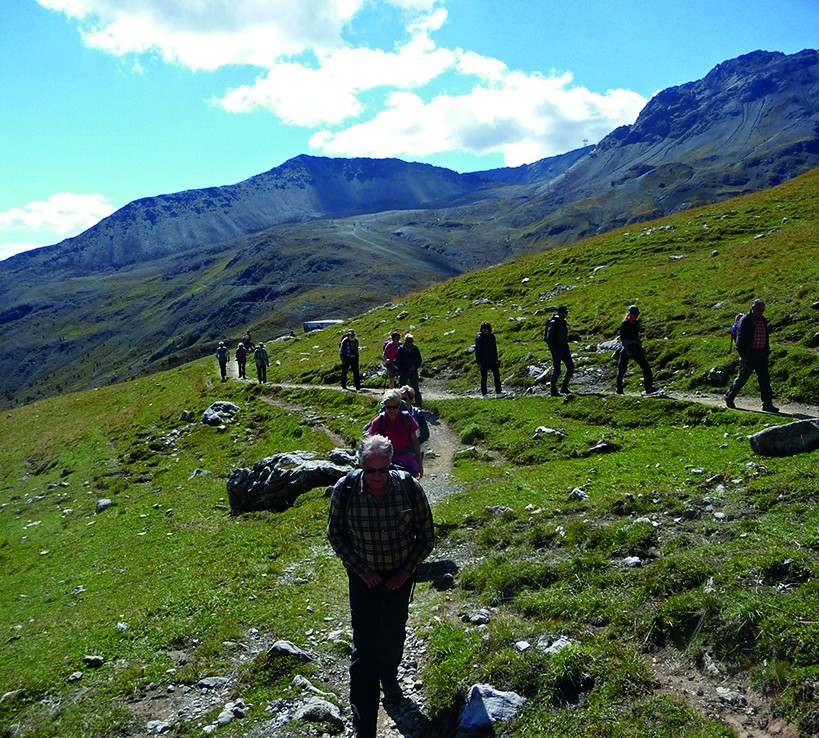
<point>371,578</point>
<point>397,580</point>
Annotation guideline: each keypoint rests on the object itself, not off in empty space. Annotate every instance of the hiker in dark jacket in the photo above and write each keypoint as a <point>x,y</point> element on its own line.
<point>408,362</point>
<point>223,356</point>
<point>631,347</point>
<point>754,348</point>
<point>486,357</point>
<point>241,360</point>
<point>348,353</point>
<point>557,339</point>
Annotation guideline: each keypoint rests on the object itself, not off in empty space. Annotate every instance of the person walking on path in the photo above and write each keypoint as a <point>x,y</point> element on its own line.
<point>388,357</point>
<point>348,353</point>
<point>408,361</point>
<point>408,396</point>
<point>262,362</point>
<point>380,526</point>
<point>223,356</point>
<point>556,336</point>
<point>486,357</point>
<point>631,347</point>
<point>241,360</point>
<point>753,344</point>
<point>396,423</point>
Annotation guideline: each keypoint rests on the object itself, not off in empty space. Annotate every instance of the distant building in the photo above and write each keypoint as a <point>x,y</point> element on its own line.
<point>314,325</point>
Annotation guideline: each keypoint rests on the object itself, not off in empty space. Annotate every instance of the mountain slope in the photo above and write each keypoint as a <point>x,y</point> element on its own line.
<point>165,277</point>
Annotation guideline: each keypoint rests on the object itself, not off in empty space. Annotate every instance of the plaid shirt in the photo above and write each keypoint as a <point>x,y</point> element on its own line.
<point>348,348</point>
<point>395,533</point>
<point>760,334</point>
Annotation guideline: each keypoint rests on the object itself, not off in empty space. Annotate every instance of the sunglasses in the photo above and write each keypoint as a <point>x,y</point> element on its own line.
<point>391,407</point>
<point>376,469</point>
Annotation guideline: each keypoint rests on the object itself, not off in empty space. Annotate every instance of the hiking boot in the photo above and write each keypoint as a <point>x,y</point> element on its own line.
<point>565,391</point>
<point>729,402</point>
<point>770,408</point>
<point>554,393</point>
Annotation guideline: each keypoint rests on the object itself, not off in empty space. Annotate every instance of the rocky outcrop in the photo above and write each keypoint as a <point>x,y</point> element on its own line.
<point>788,439</point>
<point>275,482</point>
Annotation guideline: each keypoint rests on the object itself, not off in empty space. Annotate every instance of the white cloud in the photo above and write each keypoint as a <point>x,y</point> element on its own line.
<point>523,117</point>
<point>411,98</point>
<point>65,214</point>
<point>330,93</point>
<point>208,34</point>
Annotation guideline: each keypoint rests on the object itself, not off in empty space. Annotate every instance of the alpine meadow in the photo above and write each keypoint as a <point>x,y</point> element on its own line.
<point>136,603</point>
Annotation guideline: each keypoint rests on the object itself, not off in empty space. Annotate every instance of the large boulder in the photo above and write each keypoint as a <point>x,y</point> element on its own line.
<point>275,482</point>
<point>788,439</point>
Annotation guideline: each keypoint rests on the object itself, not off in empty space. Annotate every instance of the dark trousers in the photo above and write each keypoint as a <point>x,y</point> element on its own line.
<point>639,356</point>
<point>242,368</point>
<point>561,355</point>
<point>347,364</point>
<point>223,368</point>
<point>411,378</point>
<point>756,360</point>
<point>261,369</point>
<point>495,375</point>
<point>379,618</point>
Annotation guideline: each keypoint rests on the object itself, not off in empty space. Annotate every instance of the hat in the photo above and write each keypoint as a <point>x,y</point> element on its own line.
<point>351,332</point>
<point>634,309</point>
<point>562,309</point>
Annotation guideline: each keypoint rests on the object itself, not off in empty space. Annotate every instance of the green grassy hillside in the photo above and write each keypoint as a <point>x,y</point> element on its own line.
<point>164,583</point>
<point>690,274</point>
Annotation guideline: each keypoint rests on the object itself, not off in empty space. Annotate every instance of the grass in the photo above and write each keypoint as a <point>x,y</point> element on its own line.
<point>160,581</point>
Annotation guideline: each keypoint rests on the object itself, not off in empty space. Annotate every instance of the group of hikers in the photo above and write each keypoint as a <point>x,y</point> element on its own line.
<point>402,359</point>
<point>380,522</point>
<point>245,348</point>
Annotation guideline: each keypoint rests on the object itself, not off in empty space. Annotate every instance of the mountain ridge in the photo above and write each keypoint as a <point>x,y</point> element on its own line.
<point>308,239</point>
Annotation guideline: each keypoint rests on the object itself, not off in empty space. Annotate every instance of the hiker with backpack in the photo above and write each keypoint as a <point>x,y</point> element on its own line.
<point>380,526</point>
<point>241,360</point>
<point>388,357</point>
<point>486,357</point>
<point>348,353</point>
<point>408,362</point>
<point>260,358</point>
<point>395,422</point>
<point>223,356</point>
<point>556,335</point>
<point>631,347</point>
<point>754,348</point>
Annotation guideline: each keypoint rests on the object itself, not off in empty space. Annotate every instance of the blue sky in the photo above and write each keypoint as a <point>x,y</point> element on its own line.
<point>107,101</point>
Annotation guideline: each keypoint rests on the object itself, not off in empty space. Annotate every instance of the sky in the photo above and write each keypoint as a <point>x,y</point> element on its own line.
<point>103,102</point>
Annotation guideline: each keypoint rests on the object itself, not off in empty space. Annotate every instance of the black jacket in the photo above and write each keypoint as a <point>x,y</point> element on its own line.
<point>556,334</point>
<point>407,358</point>
<point>486,349</point>
<point>745,334</point>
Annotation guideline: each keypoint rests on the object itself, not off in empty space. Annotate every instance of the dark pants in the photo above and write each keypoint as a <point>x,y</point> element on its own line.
<point>756,360</point>
<point>411,378</point>
<point>350,364</point>
<point>223,368</point>
<point>379,618</point>
<point>495,375</point>
<point>639,356</point>
<point>261,369</point>
<point>242,368</point>
<point>561,355</point>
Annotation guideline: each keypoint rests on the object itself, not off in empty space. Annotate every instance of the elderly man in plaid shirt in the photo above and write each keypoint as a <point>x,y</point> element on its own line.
<point>380,526</point>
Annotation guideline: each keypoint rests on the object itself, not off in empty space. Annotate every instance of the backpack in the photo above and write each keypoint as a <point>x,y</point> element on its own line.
<point>733,331</point>
<point>348,482</point>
